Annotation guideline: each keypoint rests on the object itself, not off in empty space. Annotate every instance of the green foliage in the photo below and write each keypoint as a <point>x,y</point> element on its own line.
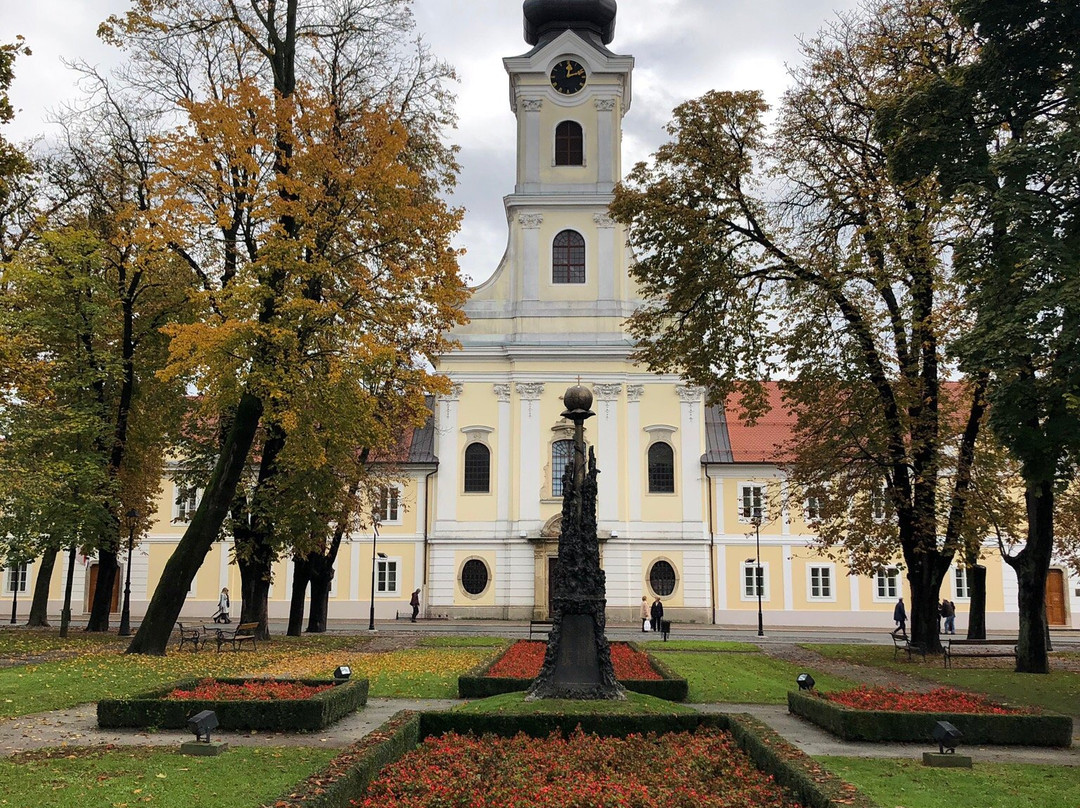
<point>316,712</point>
<point>104,776</point>
<point>1002,785</point>
<point>882,726</point>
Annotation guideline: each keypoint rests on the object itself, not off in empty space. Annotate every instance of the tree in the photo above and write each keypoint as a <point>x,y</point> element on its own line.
<point>315,225</point>
<point>998,133</point>
<point>799,251</point>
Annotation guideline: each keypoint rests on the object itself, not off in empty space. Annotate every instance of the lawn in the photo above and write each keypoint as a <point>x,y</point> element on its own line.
<point>108,673</point>
<point>463,642</point>
<point>515,704</point>
<point>108,776</point>
<point>1001,785</point>
<point>700,645</point>
<point>739,678</point>
<point>1058,691</point>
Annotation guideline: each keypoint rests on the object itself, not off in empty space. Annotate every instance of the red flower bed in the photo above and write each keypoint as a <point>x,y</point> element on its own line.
<point>938,700</point>
<point>524,658</point>
<point>680,770</point>
<point>253,690</point>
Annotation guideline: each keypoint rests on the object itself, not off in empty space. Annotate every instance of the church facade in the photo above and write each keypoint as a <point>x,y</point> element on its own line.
<point>691,506</point>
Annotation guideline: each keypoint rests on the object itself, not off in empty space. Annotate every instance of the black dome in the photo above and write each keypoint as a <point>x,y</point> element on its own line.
<point>545,19</point>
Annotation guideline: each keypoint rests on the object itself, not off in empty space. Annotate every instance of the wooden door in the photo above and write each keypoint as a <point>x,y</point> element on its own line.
<point>1055,598</point>
<point>114,606</point>
<point>552,567</point>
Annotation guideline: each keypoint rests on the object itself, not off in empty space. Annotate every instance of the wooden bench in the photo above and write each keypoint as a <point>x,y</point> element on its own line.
<point>193,636</point>
<point>902,643</point>
<point>244,632</point>
<point>539,627</point>
<point>978,648</point>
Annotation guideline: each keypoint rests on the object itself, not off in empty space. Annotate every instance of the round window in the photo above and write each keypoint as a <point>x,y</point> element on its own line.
<point>474,576</point>
<point>662,578</point>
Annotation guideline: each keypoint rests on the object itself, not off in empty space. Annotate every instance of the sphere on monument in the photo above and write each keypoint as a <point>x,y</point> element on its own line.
<point>548,18</point>
<point>577,398</point>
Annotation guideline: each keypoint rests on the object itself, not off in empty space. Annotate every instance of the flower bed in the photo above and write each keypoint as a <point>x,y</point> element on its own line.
<point>888,715</point>
<point>516,667</point>
<point>325,703</point>
<point>250,690</point>
<point>650,771</point>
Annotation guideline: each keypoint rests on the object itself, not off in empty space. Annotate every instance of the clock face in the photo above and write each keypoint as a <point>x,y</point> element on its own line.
<point>567,77</point>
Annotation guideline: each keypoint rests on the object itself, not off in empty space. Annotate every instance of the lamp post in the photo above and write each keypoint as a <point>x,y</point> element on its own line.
<point>125,613</point>
<point>374,539</point>
<point>757,573</point>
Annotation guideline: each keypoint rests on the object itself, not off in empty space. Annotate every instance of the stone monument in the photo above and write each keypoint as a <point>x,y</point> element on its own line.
<point>577,663</point>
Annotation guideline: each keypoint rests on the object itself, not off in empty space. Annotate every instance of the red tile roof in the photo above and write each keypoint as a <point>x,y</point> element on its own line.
<point>769,439</point>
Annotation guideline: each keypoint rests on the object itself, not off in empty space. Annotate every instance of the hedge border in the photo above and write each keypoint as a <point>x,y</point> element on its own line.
<point>349,773</point>
<point>152,709</point>
<point>476,684</point>
<point>1042,729</point>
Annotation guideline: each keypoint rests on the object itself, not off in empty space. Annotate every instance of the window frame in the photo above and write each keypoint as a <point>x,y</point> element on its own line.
<point>762,507</point>
<point>745,595</point>
<point>890,575</point>
<point>383,567</point>
<point>568,141</point>
<point>392,493</point>
<point>878,503</point>
<point>674,573</point>
<point>960,574</point>
<point>192,498</point>
<point>556,476</point>
<point>829,571</point>
<point>659,444</point>
<point>812,508</point>
<point>22,571</point>
<point>571,267</point>
<point>461,577</point>
<point>465,468</point>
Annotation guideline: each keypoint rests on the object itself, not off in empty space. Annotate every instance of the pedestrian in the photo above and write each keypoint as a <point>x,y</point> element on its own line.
<point>645,613</point>
<point>941,614</point>
<point>949,611</point>
<point>414,601</point>
<point>899,616</point>
<point>657,614</point>
<point>222,613</point>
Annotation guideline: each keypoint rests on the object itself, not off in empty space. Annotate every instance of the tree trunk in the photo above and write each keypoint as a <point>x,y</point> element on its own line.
<point>976,579</point>
<point>157,625</point>
<point>322,577</point>
<point>926,571</point>
<point>300,579</point>
<point>106,580</point>
<point>39,606</point>
<point>255,572</point>
<point>65,613</point>
<point>1032,564</point>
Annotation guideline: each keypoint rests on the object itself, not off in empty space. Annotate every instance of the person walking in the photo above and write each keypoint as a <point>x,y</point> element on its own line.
<point>899,616</point>
<point>656,613</point>
<point>222,613</point>
<point>414,601</point>
<point>948,610</point>
<point>645,613</point>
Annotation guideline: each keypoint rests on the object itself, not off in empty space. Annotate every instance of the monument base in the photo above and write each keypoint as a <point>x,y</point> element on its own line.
<point>204,748</point>
<point>949,760</point>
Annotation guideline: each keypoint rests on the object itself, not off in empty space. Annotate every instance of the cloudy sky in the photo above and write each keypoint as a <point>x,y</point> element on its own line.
<point>682,48</point>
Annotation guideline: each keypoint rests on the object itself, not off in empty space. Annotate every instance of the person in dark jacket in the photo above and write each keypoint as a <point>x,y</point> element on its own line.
<point>948,611</point>
<point>657,614</point>
<point>899,616</point>
<point>414,601</point>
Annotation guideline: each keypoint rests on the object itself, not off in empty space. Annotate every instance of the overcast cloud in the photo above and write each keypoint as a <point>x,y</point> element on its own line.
<point>682,49</point>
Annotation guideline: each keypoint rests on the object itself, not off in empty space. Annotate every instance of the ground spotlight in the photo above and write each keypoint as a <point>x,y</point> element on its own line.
<point>805,681</point>
<point>342,672</point>
<point>202,723</point>
<point>947,736</point>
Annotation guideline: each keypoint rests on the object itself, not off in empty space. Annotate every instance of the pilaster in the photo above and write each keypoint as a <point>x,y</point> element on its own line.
<point>530,461</point>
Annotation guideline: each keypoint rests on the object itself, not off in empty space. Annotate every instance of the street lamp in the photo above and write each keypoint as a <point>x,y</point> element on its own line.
<point>125,613</point>
<point>757,572</point>
<point>374,539</point>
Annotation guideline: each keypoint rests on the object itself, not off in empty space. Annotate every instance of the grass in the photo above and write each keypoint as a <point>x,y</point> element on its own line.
<point>1057,691</point>
<point>739,678</point>
<point>700,645</point>
<point>515,704</point>
<point>108,673</point>
<point>463,642</point>
<point>1001,785</point>
<point>108,776</point>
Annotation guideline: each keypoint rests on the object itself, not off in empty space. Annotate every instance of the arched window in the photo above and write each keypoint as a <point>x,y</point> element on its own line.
<point>662,578</point>
<point>568,258</point>
<point>562,452</point>
<point>569,144</point>
<point>661,469</point>
<point>477,469</point>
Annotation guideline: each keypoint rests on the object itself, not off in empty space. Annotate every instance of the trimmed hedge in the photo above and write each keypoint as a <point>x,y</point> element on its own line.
<point>321,710</point>
<point>812,785</point>
<point>476,684</point>
<point>1043,729</point>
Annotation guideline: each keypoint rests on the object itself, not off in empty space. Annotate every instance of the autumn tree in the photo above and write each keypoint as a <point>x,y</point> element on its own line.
<point>315,224</point>
<point>795,249</point>
<point>997,132</point>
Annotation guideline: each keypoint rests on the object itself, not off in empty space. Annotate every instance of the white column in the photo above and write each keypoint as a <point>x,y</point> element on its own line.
<point>530,460</point>
<point>530,255</point>
<point>853,587</point>
<point>446,425</point>
<point>634,491</point>
<point>605,144</point>
<point>223,566</point>
<point>503,474</point>
<point>531,146</point>
<point>789,584</point>
<point>354,569</point>
<point>605,256</point>
<point>721,576</point>
<point>607,450</point>
<point>690,429</point>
